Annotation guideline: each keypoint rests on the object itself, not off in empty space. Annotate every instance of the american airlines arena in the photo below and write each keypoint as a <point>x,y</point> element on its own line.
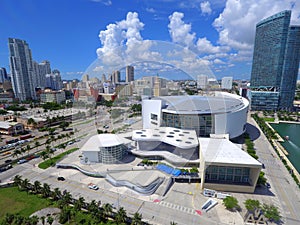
<point>218,114</point>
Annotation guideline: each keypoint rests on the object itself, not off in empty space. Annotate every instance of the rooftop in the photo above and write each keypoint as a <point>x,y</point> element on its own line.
<point>217,150</point>
<point>103,140</point>
<point>173,136</point>
<point>201,104</point>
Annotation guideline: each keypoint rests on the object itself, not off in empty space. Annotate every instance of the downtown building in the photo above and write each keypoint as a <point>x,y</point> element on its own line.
<point>22,70</point>
<point>275,63</point>
<point>129,74</point>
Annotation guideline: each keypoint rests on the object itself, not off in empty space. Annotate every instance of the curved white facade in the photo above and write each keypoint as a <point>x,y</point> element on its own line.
<point>220,114</point>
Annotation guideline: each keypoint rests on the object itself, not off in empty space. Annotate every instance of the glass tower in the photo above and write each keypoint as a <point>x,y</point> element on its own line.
<point>290,68</point>
<point>22,71</point>
<point>276,59</point>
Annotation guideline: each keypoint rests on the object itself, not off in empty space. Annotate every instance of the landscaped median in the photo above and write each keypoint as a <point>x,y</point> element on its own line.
<point>51,162</point>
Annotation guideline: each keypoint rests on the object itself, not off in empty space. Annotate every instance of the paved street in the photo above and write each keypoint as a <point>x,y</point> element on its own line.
<point>282,184</point>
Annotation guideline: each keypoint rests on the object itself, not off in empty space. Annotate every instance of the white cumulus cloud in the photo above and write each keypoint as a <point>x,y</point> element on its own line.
<point>205,7</point>
<point>181,32</point>
<point>236,24</point>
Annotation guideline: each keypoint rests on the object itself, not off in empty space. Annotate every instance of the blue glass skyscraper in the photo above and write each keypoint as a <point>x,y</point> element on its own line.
<point>275,62</point>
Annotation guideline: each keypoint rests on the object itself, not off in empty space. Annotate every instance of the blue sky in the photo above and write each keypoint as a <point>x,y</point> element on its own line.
<point>66,32</point>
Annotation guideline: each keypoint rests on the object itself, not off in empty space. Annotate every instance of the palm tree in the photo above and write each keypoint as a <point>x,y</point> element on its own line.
<point>46,190</point>
<point>44,155</point>
<point>28,148</point>
<point>34,220</point>
<point>56,194</point>
<point>37,144</point>
<point>79,204</point>
<point>18,180</point>
<point>137,219</point>
<point>23,150</point>
<point>43,220</point>
<point>9,218</point>
<point>173,223</point>
<point>107,210</point>
<point>121,216</point>
<point>25,185</point>
<point>37,187</point>
<point>93,208</point>
<point>16,153</point>
<point>50,220</point>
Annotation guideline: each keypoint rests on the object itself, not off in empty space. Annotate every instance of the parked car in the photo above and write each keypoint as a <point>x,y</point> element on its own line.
<point>61,178</point>
<point>8,161</point>
<point>22,161</point>
<point>268,185</point>
<point>93,186</point>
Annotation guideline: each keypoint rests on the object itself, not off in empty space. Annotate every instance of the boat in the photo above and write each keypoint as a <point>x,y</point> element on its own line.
<point>286,138</point>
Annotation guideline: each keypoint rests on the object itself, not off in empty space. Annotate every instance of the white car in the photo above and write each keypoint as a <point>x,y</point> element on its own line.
<point>93,186</point>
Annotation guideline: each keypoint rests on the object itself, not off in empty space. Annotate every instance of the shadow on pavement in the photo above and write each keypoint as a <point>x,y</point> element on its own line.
<point>263,190</point>
<point>253,132</point>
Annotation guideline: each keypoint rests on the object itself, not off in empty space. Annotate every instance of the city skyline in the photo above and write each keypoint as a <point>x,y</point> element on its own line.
<point>69,39</point>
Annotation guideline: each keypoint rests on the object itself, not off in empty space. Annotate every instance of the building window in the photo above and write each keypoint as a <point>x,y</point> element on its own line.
<point>154,116</point>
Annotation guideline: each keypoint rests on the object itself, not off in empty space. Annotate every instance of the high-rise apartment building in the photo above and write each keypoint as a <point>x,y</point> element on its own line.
<point>40,71</point>
<point>226,83</point>
<point>85,78</point>
<point>3,75</point>
<point>202,81</point>
<point>275,62</point>
<point>21,67</point>
<point>116,77</point>
<point>129,73</point>
<point>53,80</point>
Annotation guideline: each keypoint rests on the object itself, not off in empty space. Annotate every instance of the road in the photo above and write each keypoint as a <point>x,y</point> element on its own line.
<point>282,184</point>
<point>155,213</point>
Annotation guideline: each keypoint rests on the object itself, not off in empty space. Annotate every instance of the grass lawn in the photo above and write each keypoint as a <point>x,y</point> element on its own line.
<point>269,119</point>
<point>14,201</point>
<point>49,162</point>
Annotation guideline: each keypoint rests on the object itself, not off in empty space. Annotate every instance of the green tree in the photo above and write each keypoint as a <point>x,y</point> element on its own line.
<point>43,218</point>
<point>261,179</point>
<point>251,205</point>
<point>46,191</point>
<point>50,220</point>
<point>16,153</point>
<point>271,212</point>
<point>37,187</point>
<point>18,180</point>
<point>107,210</point>
<point>79,204</point>
<point>121,216</point>
<point>231,203</point>
<point>25,185</point>
<point>56,194</point>
<point>137,219</point>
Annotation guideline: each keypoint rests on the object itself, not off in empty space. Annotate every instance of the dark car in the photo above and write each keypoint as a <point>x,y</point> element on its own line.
<point>8,161</point>
<point>268,185</point>
<point>61,178</point>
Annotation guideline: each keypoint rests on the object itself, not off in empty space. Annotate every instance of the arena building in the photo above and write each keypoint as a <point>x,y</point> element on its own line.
<point>220,114</point>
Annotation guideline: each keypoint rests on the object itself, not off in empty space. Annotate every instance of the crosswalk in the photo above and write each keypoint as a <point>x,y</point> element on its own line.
<point>177,207</point>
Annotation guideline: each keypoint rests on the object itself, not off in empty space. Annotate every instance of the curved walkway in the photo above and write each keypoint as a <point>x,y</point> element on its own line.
<point>145,190</point>
<point>169,157</point>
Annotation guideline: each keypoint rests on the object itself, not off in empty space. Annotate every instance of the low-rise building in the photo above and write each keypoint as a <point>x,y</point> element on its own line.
<point>53,96</point>
<point>105,148</point>
<point>11,128</point>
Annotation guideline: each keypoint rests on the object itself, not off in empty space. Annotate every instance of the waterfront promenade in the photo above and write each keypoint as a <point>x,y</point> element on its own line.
<point>283,185</point>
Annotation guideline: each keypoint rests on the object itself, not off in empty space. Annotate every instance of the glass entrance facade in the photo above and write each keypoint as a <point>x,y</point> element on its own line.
<point>227,174</point>
<point>202,124</point>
